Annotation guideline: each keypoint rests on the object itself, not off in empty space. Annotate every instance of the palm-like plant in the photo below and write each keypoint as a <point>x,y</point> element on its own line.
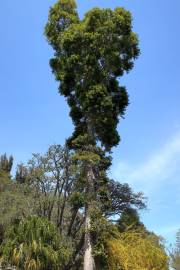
<point>34,244</point>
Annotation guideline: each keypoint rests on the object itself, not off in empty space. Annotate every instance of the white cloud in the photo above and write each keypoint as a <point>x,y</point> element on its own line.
<point>158,176</point>
<point>153,171</point>
<point>171,229</point>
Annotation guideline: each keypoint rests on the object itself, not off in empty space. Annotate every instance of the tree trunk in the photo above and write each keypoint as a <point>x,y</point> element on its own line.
<point>88,258</point>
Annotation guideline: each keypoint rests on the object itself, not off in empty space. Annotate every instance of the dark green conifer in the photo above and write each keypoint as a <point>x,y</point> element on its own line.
<point>90,55</point>
<point>6,164</point>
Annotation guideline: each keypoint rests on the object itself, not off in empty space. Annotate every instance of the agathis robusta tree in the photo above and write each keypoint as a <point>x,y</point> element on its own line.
<point>90,55</point>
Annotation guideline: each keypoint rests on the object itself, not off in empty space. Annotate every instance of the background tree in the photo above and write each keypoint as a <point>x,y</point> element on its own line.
<point>119,198</point>
<point>130,220</point>
<point>90,55</point>
<point>51,187</point>
<point>175,253</point>
<point>5,165</point>
<point>21,174</point>
<point>54,180</point>
<point>14,202</point>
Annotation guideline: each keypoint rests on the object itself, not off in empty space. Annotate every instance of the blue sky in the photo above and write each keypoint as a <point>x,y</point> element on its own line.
<point>33,115</point>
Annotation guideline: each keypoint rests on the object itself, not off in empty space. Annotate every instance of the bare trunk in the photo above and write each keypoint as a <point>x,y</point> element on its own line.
<point>88,258</point>
<point>72,221</point>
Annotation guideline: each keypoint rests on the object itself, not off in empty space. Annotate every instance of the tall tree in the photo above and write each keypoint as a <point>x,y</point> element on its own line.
<point>90,56</point>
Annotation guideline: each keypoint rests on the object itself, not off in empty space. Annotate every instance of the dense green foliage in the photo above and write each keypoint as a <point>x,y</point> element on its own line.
<point>130,220</point>
<point>34,243</point>
<point>90,55</point>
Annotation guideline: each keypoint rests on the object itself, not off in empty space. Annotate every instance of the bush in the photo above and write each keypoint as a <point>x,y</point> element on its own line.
<point>134,251</point>
<point>34,244</point>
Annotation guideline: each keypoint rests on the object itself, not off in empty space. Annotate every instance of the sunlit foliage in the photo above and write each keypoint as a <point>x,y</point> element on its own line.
<point>136,251</point>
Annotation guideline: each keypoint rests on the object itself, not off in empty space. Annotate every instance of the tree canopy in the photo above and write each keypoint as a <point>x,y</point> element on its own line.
<point>90,55</point>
